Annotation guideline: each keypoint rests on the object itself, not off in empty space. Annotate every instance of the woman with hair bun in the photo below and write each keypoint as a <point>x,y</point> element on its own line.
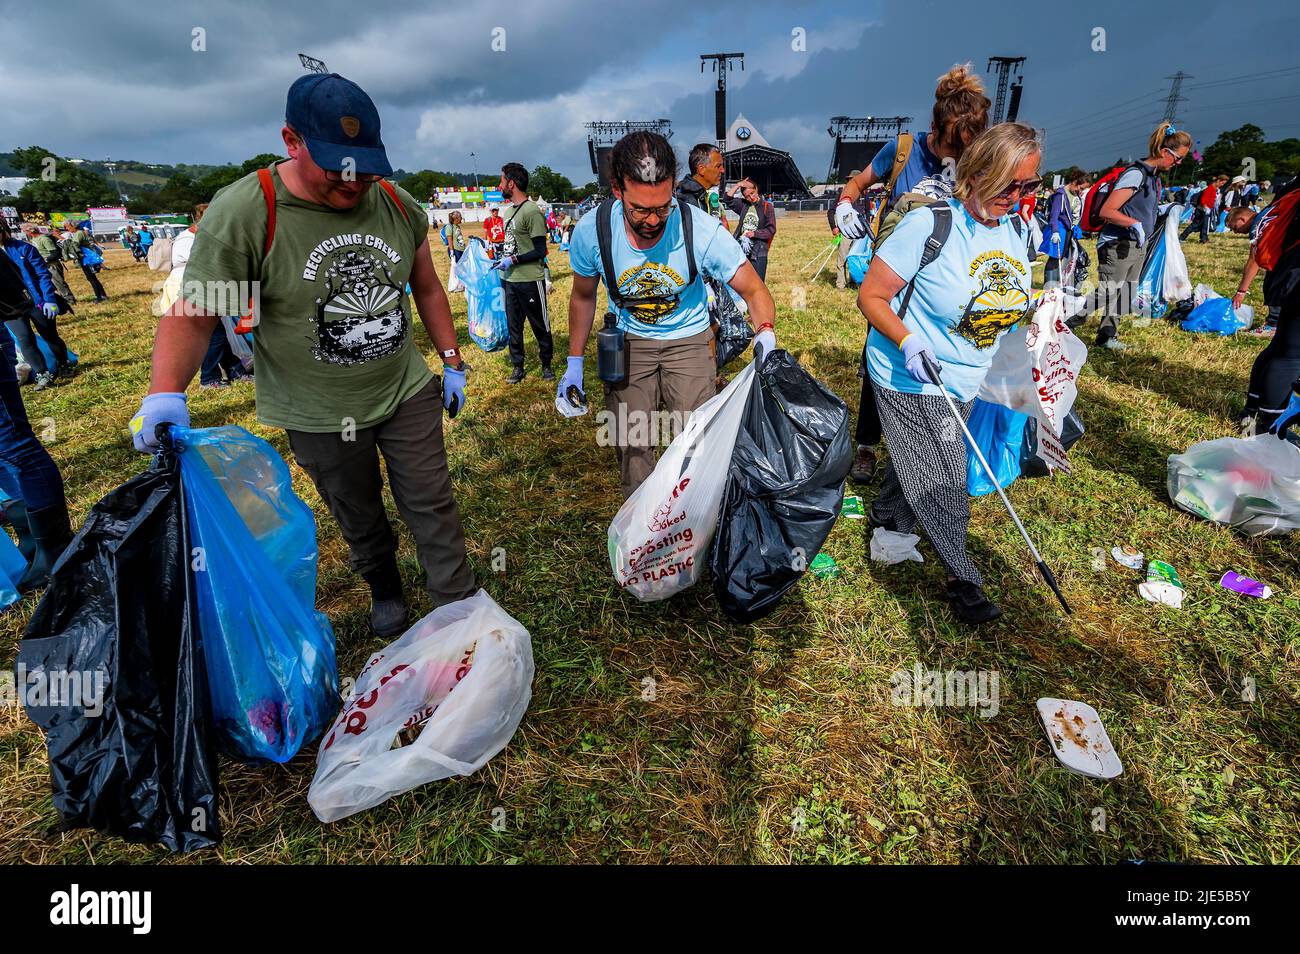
<point>915,170</point>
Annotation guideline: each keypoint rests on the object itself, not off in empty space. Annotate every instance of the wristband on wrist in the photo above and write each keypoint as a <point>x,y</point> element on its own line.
<point>903,341</point>
<point>764,327</point>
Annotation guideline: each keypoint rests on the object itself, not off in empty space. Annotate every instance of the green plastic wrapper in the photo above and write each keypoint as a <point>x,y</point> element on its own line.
<point>824,567</point>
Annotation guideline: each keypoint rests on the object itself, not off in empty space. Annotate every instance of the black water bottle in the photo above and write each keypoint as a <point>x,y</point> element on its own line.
<point>611,359</point>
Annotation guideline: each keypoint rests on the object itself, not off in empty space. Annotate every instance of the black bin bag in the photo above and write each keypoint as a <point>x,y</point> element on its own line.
<point>784,489</point>
<point>131,757</point>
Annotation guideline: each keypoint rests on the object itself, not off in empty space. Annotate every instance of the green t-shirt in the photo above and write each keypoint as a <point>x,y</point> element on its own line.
<point>48,246</point>
<point>333,343</point>
<point>525,223</point>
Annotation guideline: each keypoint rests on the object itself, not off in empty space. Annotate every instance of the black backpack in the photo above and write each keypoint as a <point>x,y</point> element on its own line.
<point>604,236</point>
<point>938,236</point>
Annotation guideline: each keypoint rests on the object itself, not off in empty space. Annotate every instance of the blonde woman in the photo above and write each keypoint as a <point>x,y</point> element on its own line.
<point>947,309</point>
<point>1129,214</point>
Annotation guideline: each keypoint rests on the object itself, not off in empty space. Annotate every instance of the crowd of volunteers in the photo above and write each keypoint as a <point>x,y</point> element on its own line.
<point>341,258</point>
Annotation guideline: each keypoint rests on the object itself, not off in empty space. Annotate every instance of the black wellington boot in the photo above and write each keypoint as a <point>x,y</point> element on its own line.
<point>15,511</point>
<point>52,532</point>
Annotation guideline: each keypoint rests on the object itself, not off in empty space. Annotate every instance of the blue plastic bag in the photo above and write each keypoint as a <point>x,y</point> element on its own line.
<point>1151,286</point>
<point>858,259</point>
<point>12,567</point>
<point>91,256</point>
<point>485,297</point>
<point>269,653</point>
<point>999,432</point>
<point>1213,315</point>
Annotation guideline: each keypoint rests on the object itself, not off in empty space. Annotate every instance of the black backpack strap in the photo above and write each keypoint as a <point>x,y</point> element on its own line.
<point>604,237</point>
<point>1018,224</point>
<point>933,246</point>
<point>688,236</point>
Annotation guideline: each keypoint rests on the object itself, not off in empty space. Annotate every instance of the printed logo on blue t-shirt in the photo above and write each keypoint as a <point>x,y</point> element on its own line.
<point>999,301</point>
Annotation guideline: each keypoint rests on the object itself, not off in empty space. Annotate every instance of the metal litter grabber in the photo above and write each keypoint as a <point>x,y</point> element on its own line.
<point>932,369</point>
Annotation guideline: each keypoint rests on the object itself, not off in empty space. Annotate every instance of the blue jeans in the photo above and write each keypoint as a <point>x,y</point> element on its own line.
<point>38,477</point>
<point>220,357</point>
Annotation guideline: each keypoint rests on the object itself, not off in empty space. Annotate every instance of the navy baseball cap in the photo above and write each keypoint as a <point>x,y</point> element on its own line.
<point>338,121</point>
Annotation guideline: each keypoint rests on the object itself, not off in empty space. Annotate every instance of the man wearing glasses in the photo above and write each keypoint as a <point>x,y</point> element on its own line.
<point>664,315</point>
<point>331,246</point>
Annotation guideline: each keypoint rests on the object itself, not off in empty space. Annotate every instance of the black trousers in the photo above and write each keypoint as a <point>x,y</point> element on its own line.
<point>527,300</point>
<point>47,329</point>
<point>1201,219</point>
<point>95,286</point>
<point>1276,370</point>
<point>868,431</point>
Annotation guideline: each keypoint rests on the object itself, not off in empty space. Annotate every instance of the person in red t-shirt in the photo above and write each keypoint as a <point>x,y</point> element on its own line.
<point>495,227</point>
<point>1206,203</point>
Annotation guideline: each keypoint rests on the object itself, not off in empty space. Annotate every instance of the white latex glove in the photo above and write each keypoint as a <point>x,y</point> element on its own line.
<point>850,223</point>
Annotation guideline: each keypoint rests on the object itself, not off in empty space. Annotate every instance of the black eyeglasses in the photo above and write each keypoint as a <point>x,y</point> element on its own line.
<point>662,211</point>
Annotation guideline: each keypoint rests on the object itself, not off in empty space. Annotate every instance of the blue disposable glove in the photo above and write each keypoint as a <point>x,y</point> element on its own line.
<point>572,378</point>
<point>453,390</point>
<point>913,347</point>
<point>50,310</point>
<point>1077,233</point>
<point>506,262</point>
<point>764,343</point>
<point>164,407</point>
<point>1139,234</point>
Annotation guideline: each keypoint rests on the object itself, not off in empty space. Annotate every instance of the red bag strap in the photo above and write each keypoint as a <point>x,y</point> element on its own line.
<point>392,194</point>
<point>268,193</point>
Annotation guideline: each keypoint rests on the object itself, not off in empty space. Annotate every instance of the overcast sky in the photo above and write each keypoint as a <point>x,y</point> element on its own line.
<point>129,85</point>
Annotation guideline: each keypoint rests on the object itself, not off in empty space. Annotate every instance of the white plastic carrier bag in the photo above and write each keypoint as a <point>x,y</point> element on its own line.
<point>1250,484</point>
<point>440,701</point>
<point>659,539</point>
<point>1036,368</point>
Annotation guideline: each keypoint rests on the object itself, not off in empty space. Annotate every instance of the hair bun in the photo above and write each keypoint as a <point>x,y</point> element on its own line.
<point>959,79</point>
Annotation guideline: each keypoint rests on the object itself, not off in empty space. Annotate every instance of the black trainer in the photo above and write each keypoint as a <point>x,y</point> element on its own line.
<point>516,376</point>
<point>970,604</point>
<point>548,374</point>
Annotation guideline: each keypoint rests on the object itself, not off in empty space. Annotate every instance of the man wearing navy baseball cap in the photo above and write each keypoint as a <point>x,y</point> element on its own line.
<point>328,247</point>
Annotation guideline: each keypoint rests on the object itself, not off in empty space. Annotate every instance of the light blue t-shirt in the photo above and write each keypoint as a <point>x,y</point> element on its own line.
<point>921,162</point>
<point>659,273</point>
<point>963,302</point>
